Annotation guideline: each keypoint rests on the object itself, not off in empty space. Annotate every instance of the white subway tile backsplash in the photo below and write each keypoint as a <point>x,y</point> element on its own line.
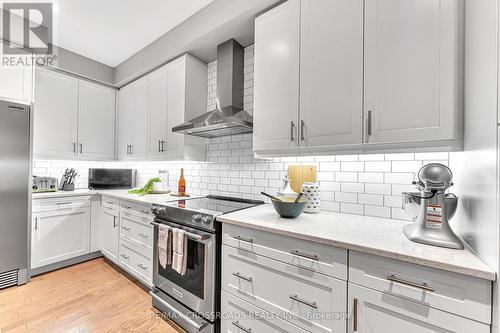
<point>368,184</point>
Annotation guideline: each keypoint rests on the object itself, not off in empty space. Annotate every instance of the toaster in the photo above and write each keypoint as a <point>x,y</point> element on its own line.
<point>44,184</point>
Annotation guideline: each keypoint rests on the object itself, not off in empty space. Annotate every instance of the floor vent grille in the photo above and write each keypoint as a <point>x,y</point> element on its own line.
<point>8,279</point>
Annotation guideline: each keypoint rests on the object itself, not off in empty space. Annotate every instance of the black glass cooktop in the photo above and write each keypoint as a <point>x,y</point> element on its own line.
<point>215,205</point>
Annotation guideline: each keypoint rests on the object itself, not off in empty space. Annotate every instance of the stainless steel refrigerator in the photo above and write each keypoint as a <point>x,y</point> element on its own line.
<point>15,192</point>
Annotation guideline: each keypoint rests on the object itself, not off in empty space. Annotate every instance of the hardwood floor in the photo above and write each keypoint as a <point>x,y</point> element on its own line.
<point>89,297</point>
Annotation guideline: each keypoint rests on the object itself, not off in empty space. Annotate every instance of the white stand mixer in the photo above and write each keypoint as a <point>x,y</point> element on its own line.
<point>431,208</point>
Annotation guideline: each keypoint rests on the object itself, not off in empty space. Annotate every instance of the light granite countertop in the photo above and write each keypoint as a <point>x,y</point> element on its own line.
<point>120,194</point>
<point>372,235</point>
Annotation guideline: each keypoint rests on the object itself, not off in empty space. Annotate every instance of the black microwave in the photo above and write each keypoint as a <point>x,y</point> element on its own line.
<point>109,179</point>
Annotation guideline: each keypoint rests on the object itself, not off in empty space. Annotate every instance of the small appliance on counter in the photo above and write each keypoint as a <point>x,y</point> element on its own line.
<point>431,208</point>
<point>111,179</point>
<point>44,184</point>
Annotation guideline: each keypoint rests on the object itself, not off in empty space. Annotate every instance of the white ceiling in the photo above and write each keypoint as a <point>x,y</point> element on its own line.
<point>110,31</point>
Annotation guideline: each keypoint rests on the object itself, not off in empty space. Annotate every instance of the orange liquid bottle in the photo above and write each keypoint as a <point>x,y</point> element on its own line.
<point>182,184</point>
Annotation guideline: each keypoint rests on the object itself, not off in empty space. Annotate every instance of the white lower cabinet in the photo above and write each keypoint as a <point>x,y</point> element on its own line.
<point>136,261</point>
<point>59,234</point>
<point>378,312</point>
<point>245,317</point>
<point>109,234</point>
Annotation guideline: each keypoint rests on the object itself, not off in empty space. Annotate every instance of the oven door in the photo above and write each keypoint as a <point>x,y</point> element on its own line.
<point>196,288</point>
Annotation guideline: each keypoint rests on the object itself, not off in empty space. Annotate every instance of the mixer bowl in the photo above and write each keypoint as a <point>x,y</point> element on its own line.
<point>411,204</point>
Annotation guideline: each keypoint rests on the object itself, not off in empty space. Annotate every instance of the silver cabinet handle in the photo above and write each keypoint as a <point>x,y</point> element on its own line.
<point>304,255</point>
<point>369,123</point>
<point>36,223</point>
<point>131,149</point>
<point>81,148</point>
<point>302,126</point>
<point>243,328</point>
<point>74,147</point>
<point>114,222</point>
<point>239,276</point>
<point>126,228</point>
<point>300,300</point>
<point>142,266</point>
<point>108,202</point>
<point>423,286</point>
<point>247,240</point>
<point>143,235</point>
<point>124,256</point>
<point>128,149</point>
<point>355,316</point>
<point>292,125</point>
<point>163,145</point>
<point>145,211</point>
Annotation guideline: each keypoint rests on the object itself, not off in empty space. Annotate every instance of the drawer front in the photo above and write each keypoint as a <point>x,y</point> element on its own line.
<point>465,296</point>
<point>47,205</point>
<point>316,257</point>
<point>302,296</point>
<point>136,262</point>
<point>137,231</point>
<point>134,209</point>
<point>375,311</point>
<point>240,316</point>
<point>110,202</point>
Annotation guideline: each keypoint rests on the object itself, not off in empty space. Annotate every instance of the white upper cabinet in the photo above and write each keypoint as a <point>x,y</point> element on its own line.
<point>73,118</point>
<point>157,86</point>
<point>151,106</point>
<point>276,78</point>
<point>331,72</point>
<point>413,70</point>
<point>55,115</point>
<point>96,121</point>
<point>16,82</point>
<point>356,76</point>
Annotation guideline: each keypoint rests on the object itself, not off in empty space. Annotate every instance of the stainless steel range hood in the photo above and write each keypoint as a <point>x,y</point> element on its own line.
<point>228,118</point>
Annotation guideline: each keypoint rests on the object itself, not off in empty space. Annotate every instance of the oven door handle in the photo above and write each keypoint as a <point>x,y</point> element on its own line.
<point>197,326</point>
<point>195,237</point>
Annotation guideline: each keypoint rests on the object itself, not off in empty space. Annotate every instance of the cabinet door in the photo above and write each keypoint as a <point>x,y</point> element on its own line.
<point>331,72</point>
<point>56,110</point>
<point>158,101</point>
<point>60,235</point>
<point>176,106</point>
<point>125,121</point>
<point>140,117</point>
<point>96,121</point>
<point>16,81</point>
<point>376,312</point>
<point>276,86</point>
<point>412,70</point>
<point>109,234</point>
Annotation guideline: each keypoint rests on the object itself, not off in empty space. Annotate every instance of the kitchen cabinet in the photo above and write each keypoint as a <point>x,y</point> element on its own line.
<point>341,76</point>
<point>96,121</point>
<point>16,81</point>
<point>151,106</point>
<point>133,120</point>
<point>276,77</point>
<point>73,118</point>
<point>331,72</point>
<point>413,70</point>
<point>110,234</point>
<point>59,234</point>
<point>56,115</point>
<point>375,311</point>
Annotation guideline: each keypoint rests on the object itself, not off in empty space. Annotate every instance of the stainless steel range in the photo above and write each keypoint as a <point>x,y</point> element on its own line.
<point>192,300</point>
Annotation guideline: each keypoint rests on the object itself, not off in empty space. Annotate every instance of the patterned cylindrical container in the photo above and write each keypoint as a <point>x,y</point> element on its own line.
<point>312,195</point>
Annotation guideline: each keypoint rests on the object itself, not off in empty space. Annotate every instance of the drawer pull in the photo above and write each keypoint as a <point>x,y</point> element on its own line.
<point>108,202</point>
<point>142,266</point>
<point>126,228</point>
<point>239,276</point>
<point>247,240</point>
<point>355,316</point>
<point>126,207</point>
<point>241,327</point>
<point>124,256</point>
<point>64,203</point>
<point>145,212</point>
<point>300,300</point>
<point>423,286</point>
<point>304,255</point>
<point>143,235</point>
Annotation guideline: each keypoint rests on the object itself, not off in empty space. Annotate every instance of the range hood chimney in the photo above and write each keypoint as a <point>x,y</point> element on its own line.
<point>228,118</point>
